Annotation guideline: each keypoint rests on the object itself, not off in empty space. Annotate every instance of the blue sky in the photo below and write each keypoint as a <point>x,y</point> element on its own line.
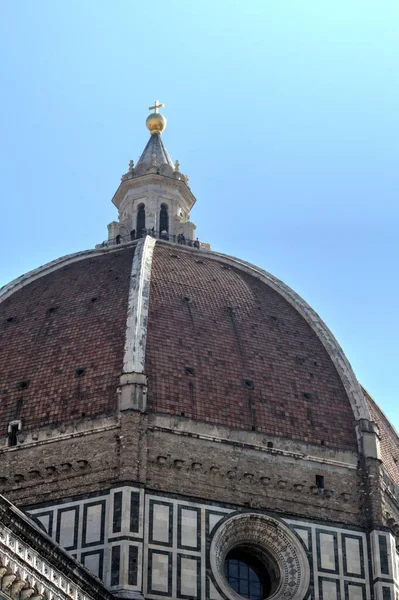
<point>283,114</point>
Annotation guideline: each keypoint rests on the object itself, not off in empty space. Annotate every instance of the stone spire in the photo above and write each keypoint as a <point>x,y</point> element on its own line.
<point>154,147</point>
<point>155,154</point>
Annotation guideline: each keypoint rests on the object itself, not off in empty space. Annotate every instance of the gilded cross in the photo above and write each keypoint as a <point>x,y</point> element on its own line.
<point>156,106</point>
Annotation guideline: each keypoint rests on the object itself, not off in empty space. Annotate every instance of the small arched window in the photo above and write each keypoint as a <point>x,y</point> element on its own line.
<point>164,219</point>
<point>133,234</point>
<point>118,239</point>
<point>140,227</point>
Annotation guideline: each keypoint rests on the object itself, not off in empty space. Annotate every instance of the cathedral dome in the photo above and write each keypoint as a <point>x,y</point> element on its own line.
<point>221,342</point>
<point>152,320</point>
<point>185,423</point>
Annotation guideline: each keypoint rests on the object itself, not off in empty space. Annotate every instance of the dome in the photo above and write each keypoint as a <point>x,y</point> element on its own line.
<point>171,414</point>
<point>224,343</point>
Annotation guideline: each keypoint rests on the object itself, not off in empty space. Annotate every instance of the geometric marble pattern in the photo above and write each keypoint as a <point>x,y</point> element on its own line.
<point>338,559</point>
<point>385,566</point>
<point>103,531</point>
<point>159,545</point>
<point>270,538</point>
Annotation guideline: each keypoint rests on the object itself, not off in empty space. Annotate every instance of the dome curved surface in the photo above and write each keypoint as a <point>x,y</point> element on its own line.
<point>70,319</point>
<point>389,440</point>
<point>224,347</point>
<point>219,345</point>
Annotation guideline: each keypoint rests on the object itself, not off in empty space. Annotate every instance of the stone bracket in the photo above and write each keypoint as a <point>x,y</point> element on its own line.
<point>132,392</point>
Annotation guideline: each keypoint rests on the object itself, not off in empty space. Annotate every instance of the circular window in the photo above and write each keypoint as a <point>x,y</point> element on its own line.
<point>256,557</point>
<point>248,575</point>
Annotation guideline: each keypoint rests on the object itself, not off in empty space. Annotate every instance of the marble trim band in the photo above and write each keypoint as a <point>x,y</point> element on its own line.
<point>137,309</point>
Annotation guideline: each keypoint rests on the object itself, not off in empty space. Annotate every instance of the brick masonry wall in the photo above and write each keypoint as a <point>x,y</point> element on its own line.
<point>131,450</point>
<point>390,505</point>
<point>60,468</point>
<point>223,347</point>
<point>249,478</point>
<point>73,318</point>
<point>162,543</point>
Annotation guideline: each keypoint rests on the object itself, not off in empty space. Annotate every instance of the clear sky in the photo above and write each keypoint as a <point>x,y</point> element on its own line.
<point>283,113</point>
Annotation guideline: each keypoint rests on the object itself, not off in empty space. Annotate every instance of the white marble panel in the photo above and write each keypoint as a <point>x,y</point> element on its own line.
<point>45,521</point>
<point>213,519</point>
<point>93,524</point>
<point>67,528</point>
<point>393,557</point>
<point>188,574</point>
<point>160,524</point>
<point>352,547</point>
<point>189,527</point>
<point>304,535</point>
<point>355,592</point>
<point>329,590</point>
<point>160,571</point>
<point>213,593</point>
<point>327,554</point>
<point>92,562</point>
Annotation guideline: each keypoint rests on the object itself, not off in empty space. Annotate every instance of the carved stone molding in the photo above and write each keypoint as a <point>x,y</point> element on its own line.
<point>271,542</point>
<point>49,434</point>
<point>33,567</point>
<point>22,570</point>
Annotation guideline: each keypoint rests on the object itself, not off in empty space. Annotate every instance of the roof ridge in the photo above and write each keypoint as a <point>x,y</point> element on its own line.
<point>155,146</point>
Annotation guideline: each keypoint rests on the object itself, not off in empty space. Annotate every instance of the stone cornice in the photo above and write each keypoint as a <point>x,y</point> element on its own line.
<point>150,178</point>
<point>259,448</point>
<point>33,563</point>
<point>63,431</point>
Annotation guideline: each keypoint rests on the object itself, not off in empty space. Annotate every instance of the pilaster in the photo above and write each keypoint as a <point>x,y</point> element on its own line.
<point>370,473</point>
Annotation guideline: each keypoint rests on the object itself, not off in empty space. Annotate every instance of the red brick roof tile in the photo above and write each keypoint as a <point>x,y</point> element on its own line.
<point>224,347</point>
<point>389,440</point>
<point>73,318</point>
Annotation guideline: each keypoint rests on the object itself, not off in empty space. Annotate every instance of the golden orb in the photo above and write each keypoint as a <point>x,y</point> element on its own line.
<point>156,122</point>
